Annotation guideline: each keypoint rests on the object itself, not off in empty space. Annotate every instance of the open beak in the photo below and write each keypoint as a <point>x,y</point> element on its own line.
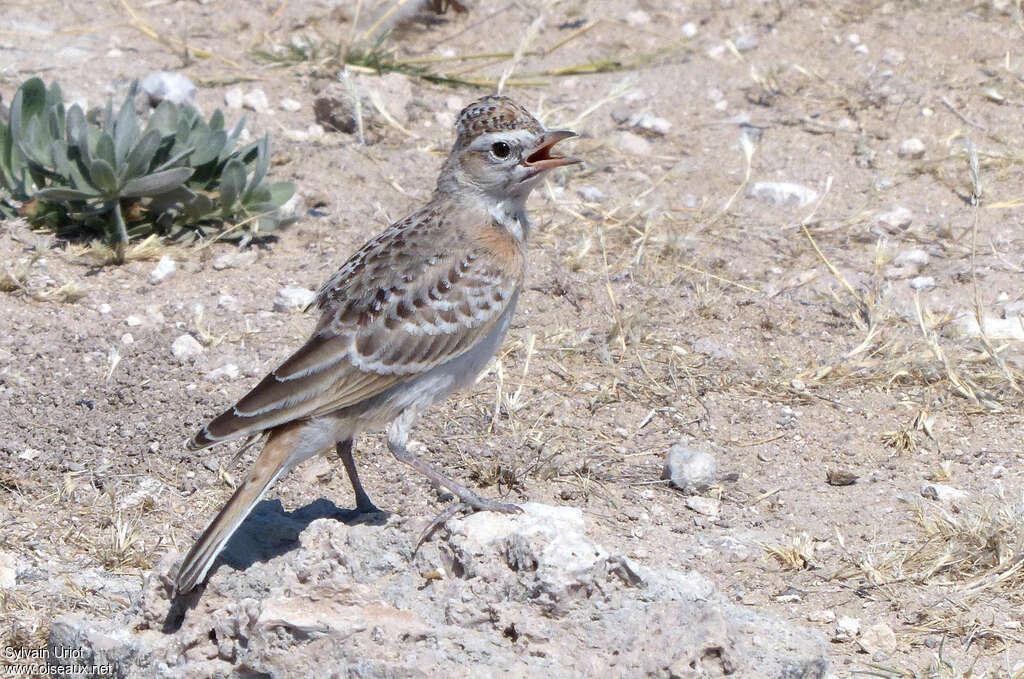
<point>540,158</point>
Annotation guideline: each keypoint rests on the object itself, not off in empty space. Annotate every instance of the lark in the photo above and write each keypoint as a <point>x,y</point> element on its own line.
<point>414,315</point>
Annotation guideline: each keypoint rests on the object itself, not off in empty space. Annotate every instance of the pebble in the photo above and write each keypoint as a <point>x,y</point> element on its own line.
<point>103,308</point>
<point>782,193</point>
<point>237,259</point>
<point>290,105</point>
<point>922,283</point>
<point>691,471</point>
<point>1010,310</point>
<point>591,194</point>
<point>651,123</point>
<point>233,98</point>
<point>633,143</point>
<point>227,302</point>
<point>893,57</point>
<point>185,347</point>
<point>878,638</point>
<point>912,148</point>
<point>127,339</point>
<point>995,328</point>
<point>898,218</point>
<point>942,493</point>
<point>704,505</point>
<point>168,86</point>
<point>228,371</point>
<point>745,42</point>
<point>163,270</point>
<point>256,100</point>
<point>133,321</point>
<point>916,257</point>
<point>824,616</point>
<point>293,299</point>
<point>847,629</point>
<point>293,210</point>
<point>689,29</point>
<point>638,17</point>
<point>8,570</point>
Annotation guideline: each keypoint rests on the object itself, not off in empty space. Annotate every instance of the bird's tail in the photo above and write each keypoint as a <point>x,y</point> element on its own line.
<point>279,455</point>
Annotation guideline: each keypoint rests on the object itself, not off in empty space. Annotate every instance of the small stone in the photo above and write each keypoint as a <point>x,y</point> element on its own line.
<point>912,148</point>
<point>104,308</point>
<point>168,86</point>
<point>293,299</point>
<point>745,42</point>
<point>943,494</point>
<point>591,194</point>
<point>290,105</point>
<point>228,371</point>
<point>995,328</point>
<point>704,505</point>
<point>133,321</point>
<point>293,210</point>
<point>227,302</point>
<point>650,123</point>
<point>847,629</point>
<point>823,616</point>
<point>163,270</point>
<point>916,257</point>
<point>691,471</point>
<point>256,100</point>
<point>689,29</point>
<point>922,283</point>
<point>638,17</point>
<point>185,347</point>
<point>853,39</point>
<point>782,193</point>
<point>234,97</point>
<point>998,471</point>
<point>8,570</point>
<point>840,477</point>
<point>1013,309</point>
<point>861,49</point>
<point>238,259</point>
<point>127,339</point>
<point>633,144</point>
<point>897,219</point>
<point>878,638</point>
<point>893,57</point>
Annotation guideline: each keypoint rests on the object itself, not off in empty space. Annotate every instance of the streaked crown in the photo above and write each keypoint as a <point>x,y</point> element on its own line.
<point>494,113</point>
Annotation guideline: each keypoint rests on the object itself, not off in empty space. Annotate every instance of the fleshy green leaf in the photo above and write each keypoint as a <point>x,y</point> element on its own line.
<point>232,182</point>
<point>142,154</point>
<point>61,193</point>
<point>126,133</point>
<point>101,173</point>
<point>156,183</point>
<point>105,149</point>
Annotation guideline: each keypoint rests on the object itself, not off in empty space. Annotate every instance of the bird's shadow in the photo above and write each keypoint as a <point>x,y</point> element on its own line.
<point>267,532</point>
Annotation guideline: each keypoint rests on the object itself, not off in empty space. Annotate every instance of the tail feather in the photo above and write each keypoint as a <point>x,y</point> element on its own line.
<point>277,458</point>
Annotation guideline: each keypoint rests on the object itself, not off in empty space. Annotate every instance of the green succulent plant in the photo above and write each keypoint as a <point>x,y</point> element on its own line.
<point>177,174</point>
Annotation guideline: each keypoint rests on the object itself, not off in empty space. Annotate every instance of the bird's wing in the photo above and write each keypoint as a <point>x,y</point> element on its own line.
<point>408,301</point>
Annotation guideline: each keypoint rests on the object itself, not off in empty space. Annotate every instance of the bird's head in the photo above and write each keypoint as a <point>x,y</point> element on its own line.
<point>501,151</point>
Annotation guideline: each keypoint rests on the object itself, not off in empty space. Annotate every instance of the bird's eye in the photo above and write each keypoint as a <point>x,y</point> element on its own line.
<point>500,149</point>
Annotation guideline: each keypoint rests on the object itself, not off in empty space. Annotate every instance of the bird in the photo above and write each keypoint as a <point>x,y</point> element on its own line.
<point>414,315</point>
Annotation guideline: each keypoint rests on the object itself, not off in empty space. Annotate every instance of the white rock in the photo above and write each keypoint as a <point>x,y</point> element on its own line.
<point>824,616</point>
<point>898,218</point>
<point>704,505</point>
<point>692,471</point>
<point>591,194</point>
<point>315,131</point>
<point>148,488</point>
<point>944,494</point>
<point>233,97</point>
<point>256,100</point>
<point>912,148</point>
<point>995,328</point>
<point>861,49</point>
<point>847,629</point>
<point>689,29</point>
<point>163,270</point>
<point>916,257</point>
<point>133,321</point>
<point>1012,310</point>
<point>127,339</point>
<point>237,259</point>
<point>8,570</point>
<point>638,17</point>
<point>227,302</point>
<point>185,347</point>
<point>782,193</point>
<point>853,39</point>
<point>293,209</point>
<point>290,105</point>
<point>651,123</point>
<point>293,299</point>
<point>745,42</point>
<point>633,143</point>
<point>878,638</point>
<point>104,308</point>
<point>168,86</point>
<point>922,282</point>
<point>893,57</point>
<point>228,371</point>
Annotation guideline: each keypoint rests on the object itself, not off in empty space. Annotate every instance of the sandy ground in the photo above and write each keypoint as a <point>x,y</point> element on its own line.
<point>793,341</point>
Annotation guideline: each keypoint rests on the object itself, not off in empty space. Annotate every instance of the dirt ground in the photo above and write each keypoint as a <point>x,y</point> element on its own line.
<point>800,343</point>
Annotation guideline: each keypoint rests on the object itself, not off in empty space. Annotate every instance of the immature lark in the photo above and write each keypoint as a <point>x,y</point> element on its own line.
<point>411,317</point>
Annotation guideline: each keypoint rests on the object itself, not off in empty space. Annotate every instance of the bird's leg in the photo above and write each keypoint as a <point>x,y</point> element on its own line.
<point>363,503</point>
<point>398,439</point>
